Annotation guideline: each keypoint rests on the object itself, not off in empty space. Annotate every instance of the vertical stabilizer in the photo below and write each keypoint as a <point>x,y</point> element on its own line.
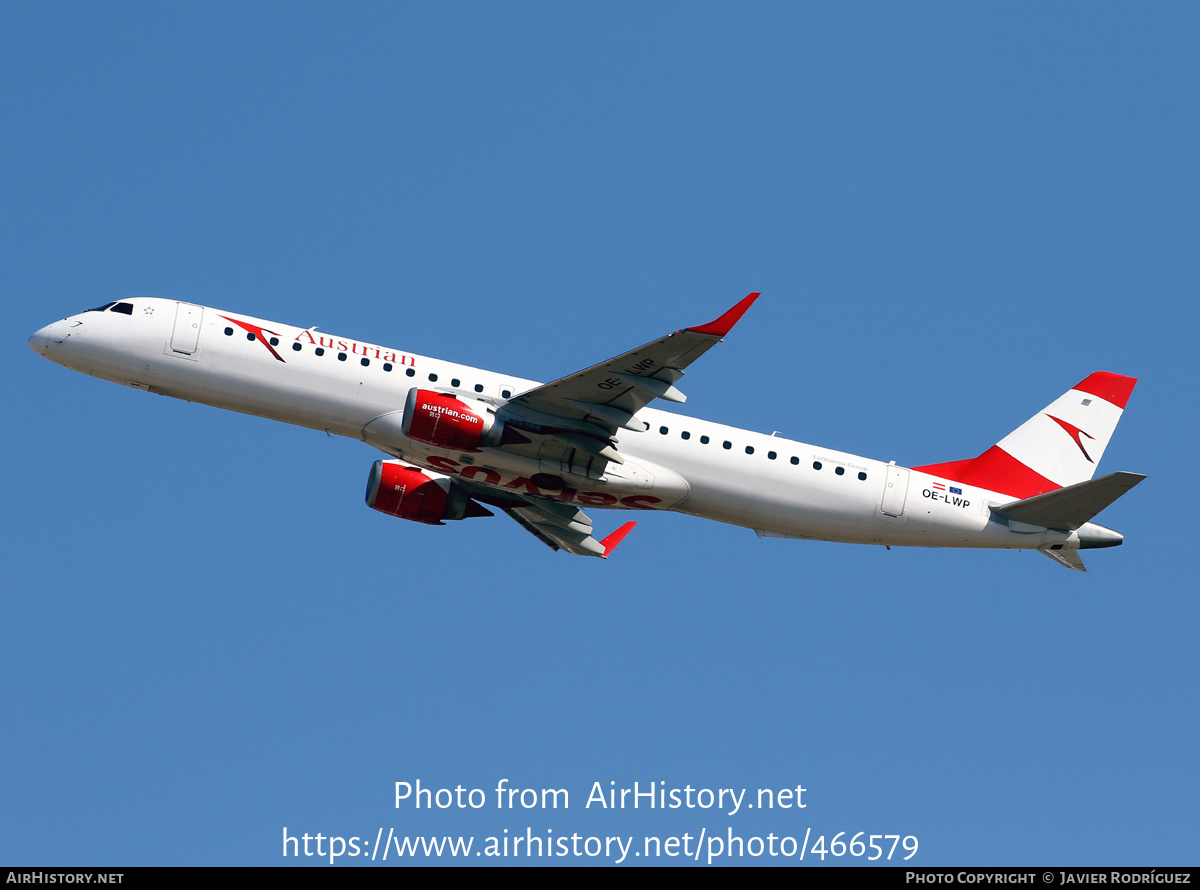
<point>1059,446</point>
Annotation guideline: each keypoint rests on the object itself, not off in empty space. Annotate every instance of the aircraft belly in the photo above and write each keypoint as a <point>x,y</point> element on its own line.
<point>769,499</point>
<point>640,484</point>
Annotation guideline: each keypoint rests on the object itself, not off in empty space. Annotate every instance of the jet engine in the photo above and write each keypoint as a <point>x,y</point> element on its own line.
<point>397,489</point>
<point>446,421</point>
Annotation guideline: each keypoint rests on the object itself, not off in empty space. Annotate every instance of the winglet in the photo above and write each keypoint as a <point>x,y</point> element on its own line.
<point>725,323</point>
<point>610,543</point>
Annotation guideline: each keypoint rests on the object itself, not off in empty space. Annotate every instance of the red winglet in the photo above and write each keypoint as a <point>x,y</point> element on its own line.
<point>725,323</point>
<point>610,543</point>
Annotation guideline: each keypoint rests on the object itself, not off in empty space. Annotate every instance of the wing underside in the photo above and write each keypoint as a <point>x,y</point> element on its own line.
<point>558,525</point>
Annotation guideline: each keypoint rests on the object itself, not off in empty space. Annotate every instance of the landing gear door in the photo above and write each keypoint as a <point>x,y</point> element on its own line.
<point>186,335</point>
<point>895,491</point>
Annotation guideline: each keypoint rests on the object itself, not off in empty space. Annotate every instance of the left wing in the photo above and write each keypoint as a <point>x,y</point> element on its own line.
<point>582,413</point>
<point>558,525</point>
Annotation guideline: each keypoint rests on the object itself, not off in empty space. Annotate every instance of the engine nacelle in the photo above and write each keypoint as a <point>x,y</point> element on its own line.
<point>397,489</point>
<point>446,421</point>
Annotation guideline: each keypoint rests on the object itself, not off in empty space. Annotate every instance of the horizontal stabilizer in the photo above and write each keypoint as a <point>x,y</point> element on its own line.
<point>1070,507</point>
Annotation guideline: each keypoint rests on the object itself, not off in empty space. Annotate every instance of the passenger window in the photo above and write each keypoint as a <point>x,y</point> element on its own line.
<point>749,449</point>
<point>387,366</point>
<point>841,471</point>
<point>704,440</point>
<point>341,356</point>
<point>296,347</point>
<point>726,445</point>
<point>410,372</point>
<point>506,394</point>
<point>366,362</point>
<point>478,387</point>
<point>274,341</point>
<point>795,461</point>
<point>318,351</point>
<point>250,337</point>
<point>862,476</point>
<point>685,435</point>
<point>771,455</point>
<point>663,430</point>
<point>433,378</point>
<point>228,332</point>
<point>816,465</point>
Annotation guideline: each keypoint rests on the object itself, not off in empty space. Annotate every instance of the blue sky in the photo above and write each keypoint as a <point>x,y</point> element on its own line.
<point>954,213</point>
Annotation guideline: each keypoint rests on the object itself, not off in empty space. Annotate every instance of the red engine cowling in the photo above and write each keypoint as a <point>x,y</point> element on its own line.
<point>436,418</point>
<point>400,490</point>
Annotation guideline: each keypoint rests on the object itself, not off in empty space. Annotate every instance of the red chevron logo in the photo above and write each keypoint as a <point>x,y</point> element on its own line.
<point>258,334</point>
<point>1075,432</point>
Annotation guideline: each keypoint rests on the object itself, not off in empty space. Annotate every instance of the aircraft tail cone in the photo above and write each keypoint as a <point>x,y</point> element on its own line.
<point>1093,536</point>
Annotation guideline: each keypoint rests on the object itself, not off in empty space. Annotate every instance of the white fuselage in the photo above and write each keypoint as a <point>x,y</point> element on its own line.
<point>776,486</point>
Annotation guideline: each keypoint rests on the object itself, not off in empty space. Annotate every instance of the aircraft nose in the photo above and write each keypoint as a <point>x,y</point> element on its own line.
<point>39,342</point>
<point>51,335</point>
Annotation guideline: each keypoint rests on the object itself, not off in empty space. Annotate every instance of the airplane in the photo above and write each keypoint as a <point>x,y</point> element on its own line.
<point>460,439</point>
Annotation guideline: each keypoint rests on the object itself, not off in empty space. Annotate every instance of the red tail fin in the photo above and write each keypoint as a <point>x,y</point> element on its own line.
<point>1059,446</point>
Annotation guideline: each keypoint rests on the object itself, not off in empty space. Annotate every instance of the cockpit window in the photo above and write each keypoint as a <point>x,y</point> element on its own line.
<point>123,308</point>
<point>102,308</point>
